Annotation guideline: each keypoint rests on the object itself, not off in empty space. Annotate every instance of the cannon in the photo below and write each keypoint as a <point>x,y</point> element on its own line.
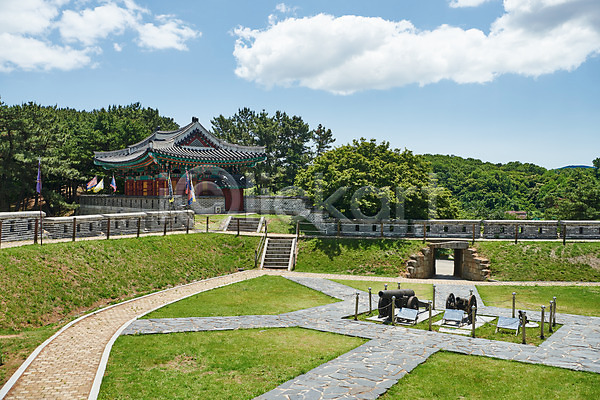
<point>459,303</point>
<point>405,298</point>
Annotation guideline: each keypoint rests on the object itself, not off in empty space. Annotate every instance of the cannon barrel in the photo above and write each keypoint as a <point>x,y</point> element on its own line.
<point>387,294</point>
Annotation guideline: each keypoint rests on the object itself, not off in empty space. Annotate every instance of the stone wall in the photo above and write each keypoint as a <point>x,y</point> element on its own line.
<point>281,205</point>
<point>474,267</point>
<point>505,229</point>
<point>21,226</point>
<point>446,228</point>
<point>581,229</point>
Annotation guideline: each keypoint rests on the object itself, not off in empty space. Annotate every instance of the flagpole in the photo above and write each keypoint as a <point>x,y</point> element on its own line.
<point>39,185</point>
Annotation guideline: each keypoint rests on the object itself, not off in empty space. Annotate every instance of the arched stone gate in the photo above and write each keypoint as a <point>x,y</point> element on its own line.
<point>467,263</point>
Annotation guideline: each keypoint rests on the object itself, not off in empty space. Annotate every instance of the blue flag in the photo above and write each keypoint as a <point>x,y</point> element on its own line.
<point>113,184</point>
<point>38,185</point>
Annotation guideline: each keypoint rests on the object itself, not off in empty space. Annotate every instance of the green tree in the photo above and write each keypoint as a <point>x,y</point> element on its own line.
<point>287,141</point>
<point>368,175</point>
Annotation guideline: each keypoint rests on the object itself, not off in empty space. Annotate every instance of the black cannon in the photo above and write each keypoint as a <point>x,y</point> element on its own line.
<point>405,298</point>
<point>459,303</point>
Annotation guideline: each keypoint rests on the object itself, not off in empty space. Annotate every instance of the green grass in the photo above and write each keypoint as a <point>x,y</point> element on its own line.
<point>543,261</point>
<point>44,287</point>
<point>16,348</point>
<point>47,284</point>
<point>422,290</point>
<point>239,364</point>
<point>258,296</point>
<point>455,376</point>
<point>380,257</point>
<point>580,300</point>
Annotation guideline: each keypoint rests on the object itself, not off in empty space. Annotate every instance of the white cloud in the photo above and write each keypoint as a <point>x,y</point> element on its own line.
<point>90,25</point>
<point>27,26</point>
<point>170,34</point>
<point>467,3</point>
<point>27,16</point>
<point>33,54</point>
<point>352,53</point>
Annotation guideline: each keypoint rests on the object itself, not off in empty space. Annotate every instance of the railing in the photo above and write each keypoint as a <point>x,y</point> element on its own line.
<point>261,245</point>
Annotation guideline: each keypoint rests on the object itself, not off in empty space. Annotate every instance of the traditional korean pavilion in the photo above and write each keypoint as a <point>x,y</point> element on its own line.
<point>217,168</point>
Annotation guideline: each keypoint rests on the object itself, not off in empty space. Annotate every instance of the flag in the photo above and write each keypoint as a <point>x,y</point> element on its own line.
<point>171,198</point>
<point>99,186</point>
<point>113,184</point>
<point>189,188</point>
<point>91,183</point>
<point>38,185</point>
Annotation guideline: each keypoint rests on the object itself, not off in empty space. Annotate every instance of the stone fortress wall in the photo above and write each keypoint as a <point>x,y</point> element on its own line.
<point>301,206</point>
<point>18,226</point>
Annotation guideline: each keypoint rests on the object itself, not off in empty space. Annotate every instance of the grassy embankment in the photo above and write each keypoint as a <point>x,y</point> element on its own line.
<point>221,365</point>
<point>43,287</point>
<point>542,261</point>
<point>355,256</point>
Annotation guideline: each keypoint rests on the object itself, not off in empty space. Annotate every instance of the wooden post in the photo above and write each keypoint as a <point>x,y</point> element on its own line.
<point>472,244</point>
<point>523,323</point>
<point>429,315</point>
<point>550,318</point>
<point>516,233</point>
<point>356,308</point>
<point>542,323</point>
<point>433,301</point>
<point>187,224</point>
<point>238,227</point>
<point>35,232</point>
<point>474,315</point>
<point>41,229</point>
<point>266,228</point>
<point>564,234</point>
<point>165,226</point>
<point>393,313</point>
<point>255,258</point>
<point>424,232</point>
<point>108,227</point>
<point>370,301</point>
<point>74,227</point>
<point>513,304</point>
<point>381,228</point>
<point>207,224</point>
<point>139,225</point>
<point>554,312</point>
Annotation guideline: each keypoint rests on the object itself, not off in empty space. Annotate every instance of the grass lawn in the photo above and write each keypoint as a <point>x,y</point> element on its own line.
<point>448,375</point>
<point>543,261</point>
<point>239,364</point>
<point>422,290</point>
<point>16,348</point>
<point>258,296</point>
<point>580,300</point>
<point>44,287</point>
<point>381,257</point>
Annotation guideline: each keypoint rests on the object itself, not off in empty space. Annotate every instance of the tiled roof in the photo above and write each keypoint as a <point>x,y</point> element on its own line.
<point>172,144</point>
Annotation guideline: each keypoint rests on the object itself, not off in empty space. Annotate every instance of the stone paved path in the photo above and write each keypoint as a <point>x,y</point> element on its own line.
<point>71,364</point>
<point>369,370</point>
<point>68,365</point>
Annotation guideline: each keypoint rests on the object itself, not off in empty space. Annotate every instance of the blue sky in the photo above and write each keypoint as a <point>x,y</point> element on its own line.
<point>489,79</point>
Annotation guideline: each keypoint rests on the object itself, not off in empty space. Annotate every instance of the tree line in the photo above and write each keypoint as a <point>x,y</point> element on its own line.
<point>363,175</point>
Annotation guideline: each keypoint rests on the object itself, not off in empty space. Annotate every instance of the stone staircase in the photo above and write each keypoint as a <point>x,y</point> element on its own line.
<point>279,253</point>
<point>246,224</point>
